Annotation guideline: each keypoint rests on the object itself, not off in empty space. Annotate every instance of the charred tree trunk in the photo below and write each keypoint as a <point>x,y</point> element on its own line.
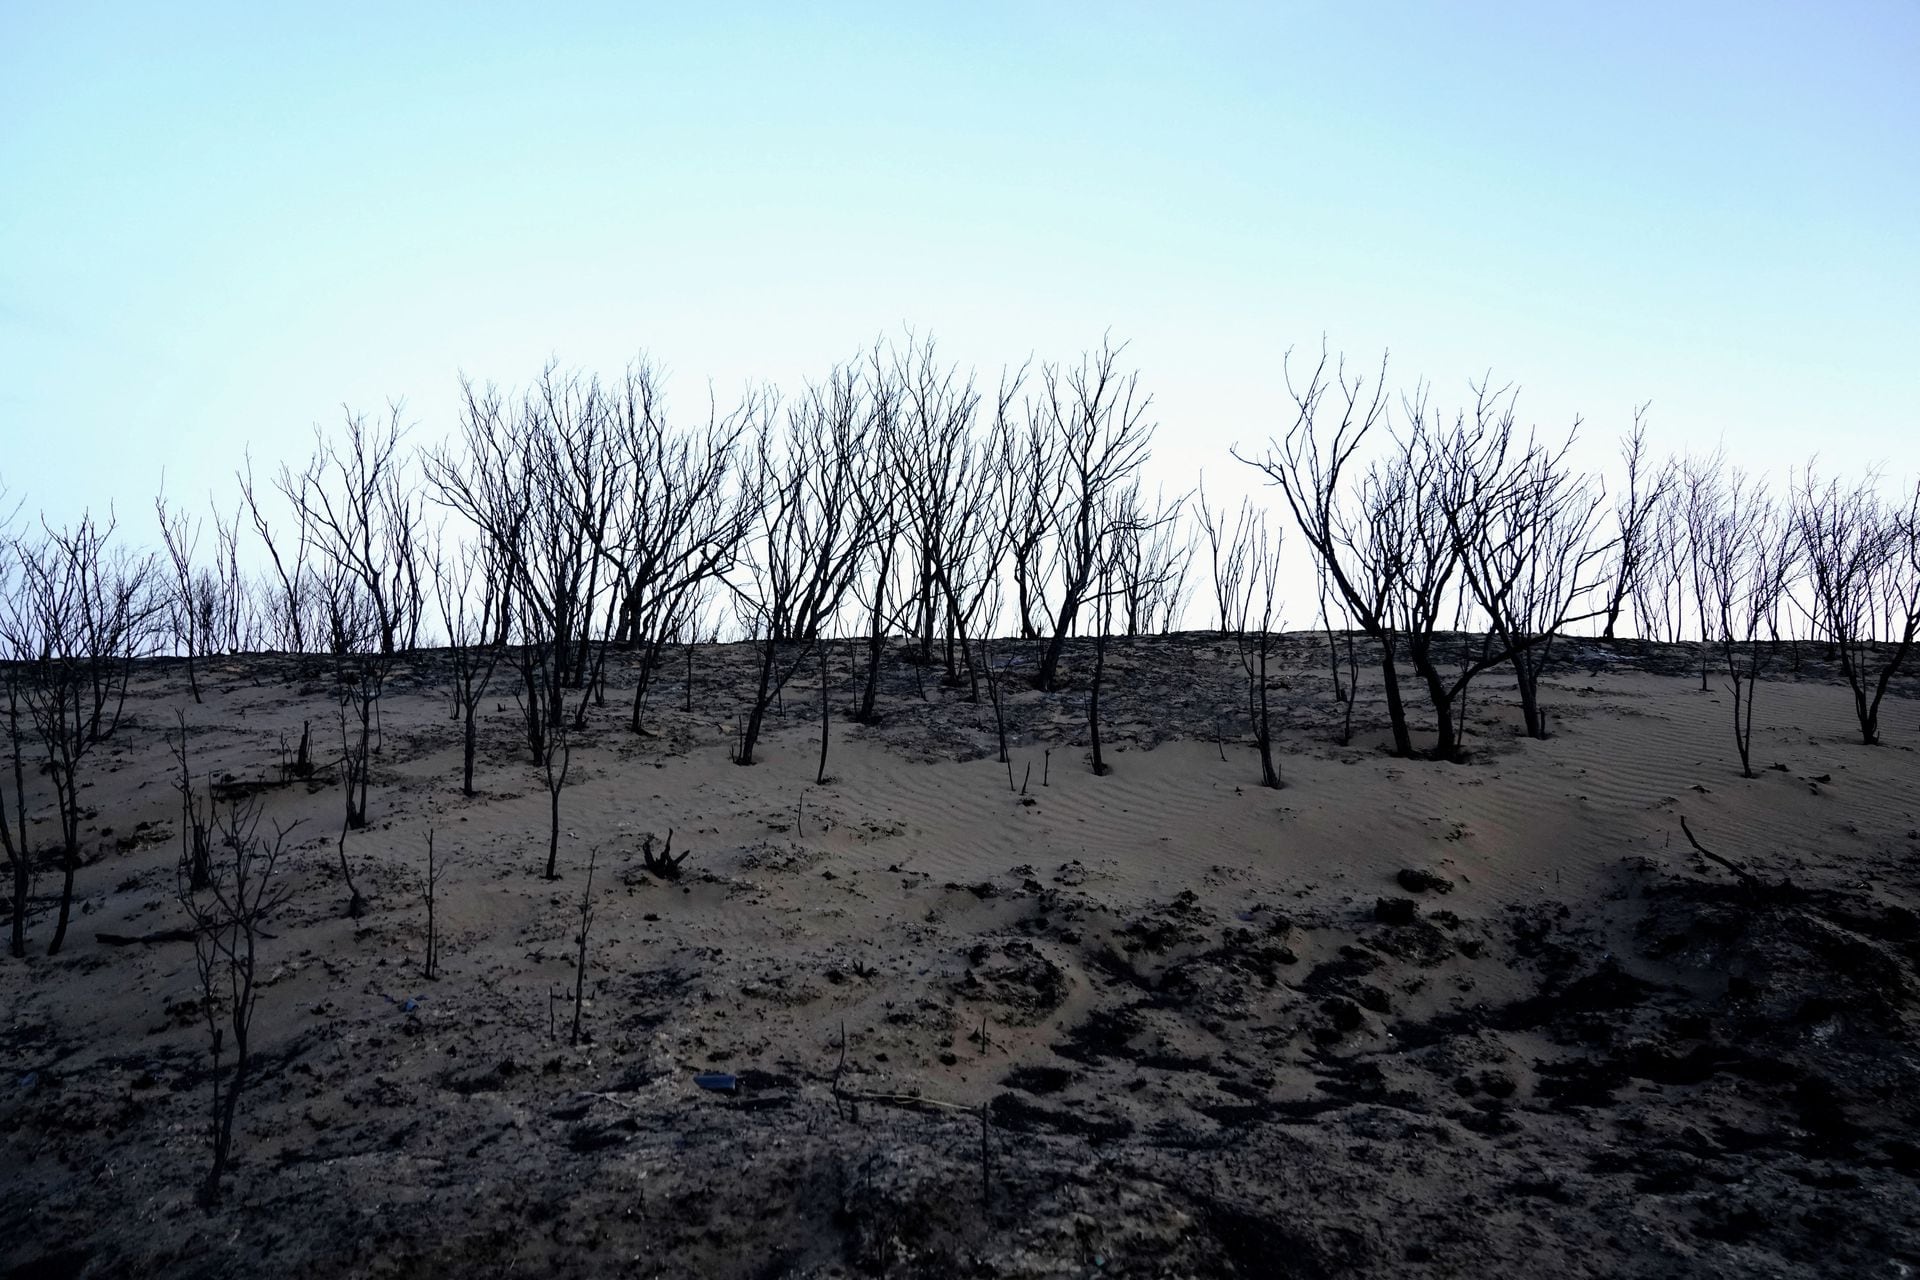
<point>826,718</point>
<point>470,745</point>
<point>1396,708</point>
<point>1100,769</point>
<point>756,719</point>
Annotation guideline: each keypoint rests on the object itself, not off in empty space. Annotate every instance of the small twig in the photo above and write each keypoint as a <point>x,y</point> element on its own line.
<point>586,923</point>
<point>906,1100</point>
<point>1747,878</point>
<point>839,1098</point>
<point>432,886</point>
<point>986,1164</point>
<point>629,1103</point>
<point>145,939</point>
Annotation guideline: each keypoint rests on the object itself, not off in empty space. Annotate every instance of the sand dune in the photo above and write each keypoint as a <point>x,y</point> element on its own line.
<point>1211,1031</point>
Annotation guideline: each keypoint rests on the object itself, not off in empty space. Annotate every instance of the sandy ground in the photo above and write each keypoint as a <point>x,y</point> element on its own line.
<point>1213,1029</point>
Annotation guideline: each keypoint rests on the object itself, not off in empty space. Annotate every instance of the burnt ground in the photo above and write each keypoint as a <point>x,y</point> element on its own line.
<point>1673,1071</point>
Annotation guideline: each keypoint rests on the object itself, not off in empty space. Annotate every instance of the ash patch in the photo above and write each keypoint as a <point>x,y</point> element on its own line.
<point>1015,976</point>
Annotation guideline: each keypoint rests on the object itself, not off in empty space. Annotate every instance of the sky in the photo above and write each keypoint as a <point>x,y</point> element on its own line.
<point>219,225</point>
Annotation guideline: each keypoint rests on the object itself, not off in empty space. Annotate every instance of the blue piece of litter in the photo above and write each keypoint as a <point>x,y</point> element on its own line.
<point>717,1081</point>
<point>410,1005</point>
<point>30,1079</point>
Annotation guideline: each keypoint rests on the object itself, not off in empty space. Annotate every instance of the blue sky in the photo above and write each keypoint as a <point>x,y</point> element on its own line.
<point>218,223</point>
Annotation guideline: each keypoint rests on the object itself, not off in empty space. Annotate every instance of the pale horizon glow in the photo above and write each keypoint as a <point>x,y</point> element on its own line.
<point>222,223</point>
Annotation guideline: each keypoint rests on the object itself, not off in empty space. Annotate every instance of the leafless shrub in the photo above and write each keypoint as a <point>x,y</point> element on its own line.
<point>1254,624</point>
<point>1153,556</point>
<point>1749,552</point>
<point>187,605</point>
<point>13,825</point>
<point>1350,534</point>
<point>1120,527</point>
<point>999,713</point>
<point>679,523</point>
<point>1226,557</point>
<point>920,489</point>
<point>1244,558</point>
<point>207,607</point>
<point>1862,555</point>
<point>586,924</point>
<point>541,481</point>
<point>360,516</point>
<point>950,480</point>
<point>1531,556</point>
<point>362,680</point>
<point>1029,459</point>
<point>808,535</point>
<point>969,576</point>
<point>1461,521</point>
<point>467,587</point>
<point>1702,498</point>
<point>1416,499</point>
<point>195,850</point>
<point>228,917</point>
<point>82,613</point>
<point>1097,416</point>
<point>1345,692</point>
<point>1648,489</point>
<point>231,621</point>
<point>1659,596</point>
<point>290,618</point>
